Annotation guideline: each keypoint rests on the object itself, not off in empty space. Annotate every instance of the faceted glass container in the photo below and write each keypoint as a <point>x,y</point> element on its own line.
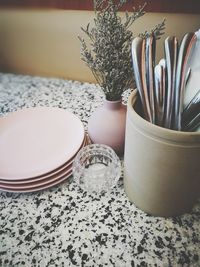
<point>96,168</point>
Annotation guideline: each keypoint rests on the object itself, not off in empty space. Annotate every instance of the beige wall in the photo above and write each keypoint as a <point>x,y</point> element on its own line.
<point>44,42</point>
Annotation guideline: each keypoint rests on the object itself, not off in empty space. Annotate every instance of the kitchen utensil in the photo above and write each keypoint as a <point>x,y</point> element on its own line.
<point>136,50</point>
<point>150,62</point>
<point>193,63</point>
<point>190,115</point>
<point>171,52</point>
<point>159,101</point>
<point>186,46</point>
<point>145,83</point>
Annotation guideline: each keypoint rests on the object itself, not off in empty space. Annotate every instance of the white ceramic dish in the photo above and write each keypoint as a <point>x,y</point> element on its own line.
<point>36,141</point>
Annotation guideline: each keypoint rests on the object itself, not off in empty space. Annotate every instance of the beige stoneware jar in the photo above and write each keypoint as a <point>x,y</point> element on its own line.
<point>161,166</point>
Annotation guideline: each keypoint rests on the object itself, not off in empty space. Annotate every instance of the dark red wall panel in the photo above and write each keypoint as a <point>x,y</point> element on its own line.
<point>171,6</point>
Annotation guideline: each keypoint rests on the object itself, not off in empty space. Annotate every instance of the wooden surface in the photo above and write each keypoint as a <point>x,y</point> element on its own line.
<point>171,6</point>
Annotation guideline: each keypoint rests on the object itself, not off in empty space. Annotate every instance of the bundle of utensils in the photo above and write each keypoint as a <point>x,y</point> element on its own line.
<point>161,87</point>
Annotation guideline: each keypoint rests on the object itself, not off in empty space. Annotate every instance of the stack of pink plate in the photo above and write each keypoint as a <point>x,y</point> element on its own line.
<point>37,148</point>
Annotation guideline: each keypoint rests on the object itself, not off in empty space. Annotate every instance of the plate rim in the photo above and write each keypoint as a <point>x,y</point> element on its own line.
<point>41,170</point>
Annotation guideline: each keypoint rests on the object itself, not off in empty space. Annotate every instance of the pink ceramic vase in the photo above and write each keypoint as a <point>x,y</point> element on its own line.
<point>107,125</point>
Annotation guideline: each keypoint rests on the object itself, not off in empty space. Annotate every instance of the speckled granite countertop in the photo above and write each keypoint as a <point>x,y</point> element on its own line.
<point>64,226</point>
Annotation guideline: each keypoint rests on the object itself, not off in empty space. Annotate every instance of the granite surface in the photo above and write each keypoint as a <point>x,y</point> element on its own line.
<point>65,226</point>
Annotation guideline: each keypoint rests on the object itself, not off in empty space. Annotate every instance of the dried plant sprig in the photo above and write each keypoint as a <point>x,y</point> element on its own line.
<point>109,56</point>
<point>157,30</point>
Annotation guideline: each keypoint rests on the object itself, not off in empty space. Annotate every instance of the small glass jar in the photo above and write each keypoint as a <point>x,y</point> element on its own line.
<point>96,168</point>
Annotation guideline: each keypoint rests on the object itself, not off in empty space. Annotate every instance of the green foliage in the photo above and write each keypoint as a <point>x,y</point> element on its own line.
<point>109,55</point>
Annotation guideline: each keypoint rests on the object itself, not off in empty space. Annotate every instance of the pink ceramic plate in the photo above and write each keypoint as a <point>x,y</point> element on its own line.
<point>35,184</point>
<point>38,188</point>
<point>43,177</point>
<point>36,141</point>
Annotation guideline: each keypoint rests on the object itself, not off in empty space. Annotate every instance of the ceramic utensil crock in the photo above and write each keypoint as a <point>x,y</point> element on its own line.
<point>162,167</point>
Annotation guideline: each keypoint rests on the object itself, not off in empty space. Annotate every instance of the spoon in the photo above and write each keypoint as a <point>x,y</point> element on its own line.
<point>160,75</point>
<point>151,63</point>
<point>136,49</point>
<point>186,46</point>
<point>191,110</point>
<point>193,124</point>
<point>171,50</point>
<point>164,66</point>
<point>158,72</point>
<point>145,83</point>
